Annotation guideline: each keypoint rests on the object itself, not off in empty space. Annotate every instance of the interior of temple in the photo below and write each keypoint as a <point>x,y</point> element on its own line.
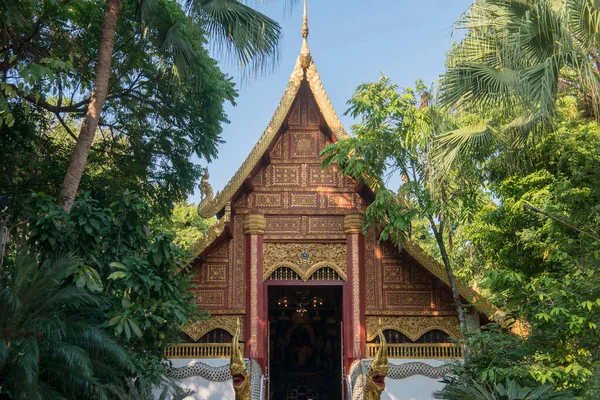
<point>305,342</point>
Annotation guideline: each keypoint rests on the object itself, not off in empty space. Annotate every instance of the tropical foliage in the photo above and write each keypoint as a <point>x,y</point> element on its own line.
<point>51,341</point>
<point>156,93</point>
<point>396,135</point>
<point>516,58</point>
<point>128,282</point>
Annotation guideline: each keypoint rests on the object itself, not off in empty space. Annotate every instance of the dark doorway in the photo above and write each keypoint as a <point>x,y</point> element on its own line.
<point>305,342</point>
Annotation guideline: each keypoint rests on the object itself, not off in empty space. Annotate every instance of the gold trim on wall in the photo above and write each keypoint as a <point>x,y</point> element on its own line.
<point>437,351</point>
<point>201,328</point>
<point>316,256</point>
<point>414,327</point>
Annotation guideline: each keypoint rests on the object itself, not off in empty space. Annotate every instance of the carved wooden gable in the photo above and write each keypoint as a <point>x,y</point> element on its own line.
<point>300,199</point>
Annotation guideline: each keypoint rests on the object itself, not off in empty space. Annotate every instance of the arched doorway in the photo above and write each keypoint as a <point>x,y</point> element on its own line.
<point>305,340</point>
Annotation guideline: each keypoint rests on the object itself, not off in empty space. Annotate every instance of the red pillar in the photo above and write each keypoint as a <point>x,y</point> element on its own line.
<point>354,291</point>
<point>254,229</point>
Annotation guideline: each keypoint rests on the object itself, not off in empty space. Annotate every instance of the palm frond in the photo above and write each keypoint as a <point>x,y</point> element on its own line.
<point>240,31</point>
<point>479,140</point>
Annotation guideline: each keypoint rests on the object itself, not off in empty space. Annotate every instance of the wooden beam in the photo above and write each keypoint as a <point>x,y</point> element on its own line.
<point>266,158</point>
<point>358,188</point>
<point>248,185</point>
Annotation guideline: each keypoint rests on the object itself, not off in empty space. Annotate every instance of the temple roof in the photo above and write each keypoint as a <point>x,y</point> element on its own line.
<point>304,70</point>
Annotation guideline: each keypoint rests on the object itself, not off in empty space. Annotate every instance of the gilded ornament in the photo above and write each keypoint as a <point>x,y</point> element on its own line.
<point>353,223</point>
<point>201,328</point>
<point>414,327</point>
<point>237,366</point>
<point>375,384</point>
<point>255,224</point>
<point>305,259</point>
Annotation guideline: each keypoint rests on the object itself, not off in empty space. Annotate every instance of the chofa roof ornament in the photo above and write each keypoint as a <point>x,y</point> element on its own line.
<point>305,57</point>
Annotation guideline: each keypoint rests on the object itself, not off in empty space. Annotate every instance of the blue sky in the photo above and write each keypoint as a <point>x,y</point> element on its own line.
<point>351,42</point>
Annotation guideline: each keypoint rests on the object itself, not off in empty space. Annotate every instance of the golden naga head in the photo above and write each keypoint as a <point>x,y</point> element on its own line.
<point>237,366</point>
<point>379,370</point>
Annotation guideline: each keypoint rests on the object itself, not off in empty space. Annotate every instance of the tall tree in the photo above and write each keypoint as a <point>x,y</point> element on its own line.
<point>251,34</point>
<point>514,60</point>
<point>150,61</point>
<point>395,136</point>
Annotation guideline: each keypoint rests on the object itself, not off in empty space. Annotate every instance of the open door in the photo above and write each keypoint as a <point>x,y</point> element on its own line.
<point>268,371</point>
<point>343,369</point>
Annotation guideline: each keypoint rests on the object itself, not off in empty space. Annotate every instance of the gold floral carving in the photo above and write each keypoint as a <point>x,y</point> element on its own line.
<point>255,224</point>
<point>414,327</point>
<point>201,328</point>
<point>305,259</point>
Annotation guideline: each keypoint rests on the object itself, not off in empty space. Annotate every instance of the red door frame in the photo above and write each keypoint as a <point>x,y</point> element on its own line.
<point>265,319</point>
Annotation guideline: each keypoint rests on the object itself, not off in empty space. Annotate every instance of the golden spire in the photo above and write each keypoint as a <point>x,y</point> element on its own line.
<point>305,58</point>
<point>305,23</point>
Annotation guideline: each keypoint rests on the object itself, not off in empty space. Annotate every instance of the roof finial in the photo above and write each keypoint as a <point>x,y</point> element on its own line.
<point>305,58</point>
<point>305,23</point>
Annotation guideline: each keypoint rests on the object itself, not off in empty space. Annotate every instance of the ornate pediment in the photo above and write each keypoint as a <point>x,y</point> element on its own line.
<point>305,259</point>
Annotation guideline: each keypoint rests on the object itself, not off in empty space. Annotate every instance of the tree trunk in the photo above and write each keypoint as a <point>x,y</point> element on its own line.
<point>455,294</point>
<point>90,122</point>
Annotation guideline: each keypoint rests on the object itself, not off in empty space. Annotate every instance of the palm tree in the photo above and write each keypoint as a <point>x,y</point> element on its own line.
<point>49,345</point>
<point>510,390</point>
<point>251,36</point>
<point>514,60</point>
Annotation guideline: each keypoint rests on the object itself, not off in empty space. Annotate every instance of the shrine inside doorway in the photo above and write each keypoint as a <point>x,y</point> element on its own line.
<point>305,342</point>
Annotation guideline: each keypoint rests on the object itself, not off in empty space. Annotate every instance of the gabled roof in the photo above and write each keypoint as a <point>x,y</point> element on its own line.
<point>304,70</point>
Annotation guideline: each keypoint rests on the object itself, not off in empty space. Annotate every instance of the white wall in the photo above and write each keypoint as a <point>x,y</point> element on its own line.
<point>205,390</point>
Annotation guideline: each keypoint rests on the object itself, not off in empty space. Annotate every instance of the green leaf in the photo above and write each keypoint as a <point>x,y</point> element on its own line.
<point>125,302</point>
<point>116,275</point>
<point>135,328</point>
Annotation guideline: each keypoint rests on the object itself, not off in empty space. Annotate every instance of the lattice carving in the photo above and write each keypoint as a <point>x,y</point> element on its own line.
<point>305,259</point>
<point>201,328</point>
<point>288,274</point>
<point>414,327</point>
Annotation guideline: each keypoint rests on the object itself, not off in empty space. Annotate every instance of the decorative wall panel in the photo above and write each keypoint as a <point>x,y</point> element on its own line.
<point>397,285</point>
<point>285,175</point>
<point>304,144</point>
<point>201,328</point>
<point>414,327</point>
<point>304,258</point>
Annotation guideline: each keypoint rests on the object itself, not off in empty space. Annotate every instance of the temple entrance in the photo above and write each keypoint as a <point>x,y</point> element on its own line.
<point>305,342</point>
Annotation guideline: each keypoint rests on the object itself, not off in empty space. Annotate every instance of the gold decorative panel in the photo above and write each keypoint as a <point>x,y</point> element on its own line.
<point>341,200</point>
<point>304,200</point>
<point>305,259</point>
<point>286,175</point>
<point>304,144</point>
<point>268,200</point>
<point>201,328</point>
<point>318,176</point>
<point>284,225</point>
<point>413,327</point>
<point>325,224</point>
<point>211,298</point>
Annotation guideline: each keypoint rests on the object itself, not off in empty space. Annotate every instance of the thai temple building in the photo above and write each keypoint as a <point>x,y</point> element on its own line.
<point>289,260</point>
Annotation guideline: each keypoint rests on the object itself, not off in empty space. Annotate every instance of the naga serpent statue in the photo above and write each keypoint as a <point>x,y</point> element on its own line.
<point>237,366</point>
<point>375,384</point>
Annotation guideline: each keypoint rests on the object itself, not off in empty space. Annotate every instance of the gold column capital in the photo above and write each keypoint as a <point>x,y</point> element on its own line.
<point>255,224</point>
<point>353,223</point>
